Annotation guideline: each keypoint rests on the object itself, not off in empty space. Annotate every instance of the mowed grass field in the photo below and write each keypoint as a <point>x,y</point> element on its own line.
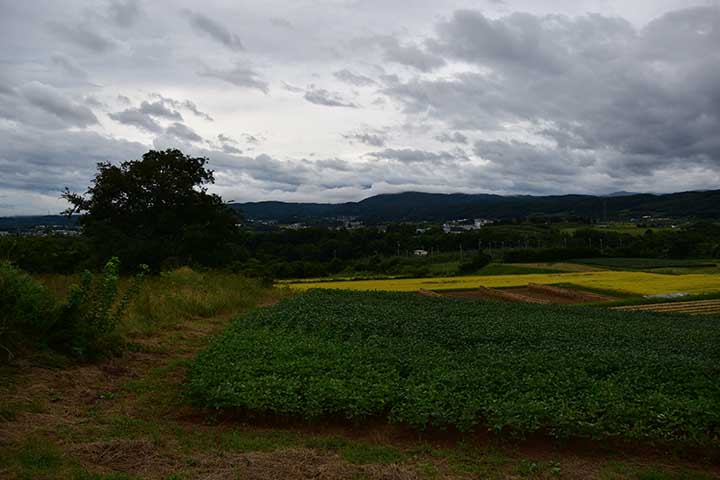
<point>634,283</point>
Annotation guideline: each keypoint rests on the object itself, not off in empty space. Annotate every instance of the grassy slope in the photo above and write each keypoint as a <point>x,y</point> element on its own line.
<point>126,418</point>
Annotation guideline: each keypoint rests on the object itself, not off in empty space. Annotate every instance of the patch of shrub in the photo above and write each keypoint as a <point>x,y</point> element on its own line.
<point>85,326</point>
<point>477,262</point>
<point>27,308</point>
<point>88,322</point>
<point>549,254</point>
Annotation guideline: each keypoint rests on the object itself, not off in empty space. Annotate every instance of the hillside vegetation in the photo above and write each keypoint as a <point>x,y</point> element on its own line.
<point>437,206</point>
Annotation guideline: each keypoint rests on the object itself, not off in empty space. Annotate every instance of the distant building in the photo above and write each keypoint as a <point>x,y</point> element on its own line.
<point>465,225</point>
<point>353,225</point>
<point>294,226</point>
<point>481,222</point>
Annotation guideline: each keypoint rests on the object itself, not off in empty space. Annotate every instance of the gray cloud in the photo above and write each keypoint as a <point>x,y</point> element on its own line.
<point>83,36</point>
<point>230,149</point>
<point>455,137</point>
<point>320,96</point>
<point>214,30</point>
<point>62,158</point>
<point>372,139</point>
<point>69,67</point>
<point>159,109</point>
<point>539,102</point>
<point>124,13</point>
<point>194,109</point>
<point>410,55</point>
<point>292,88</point>
<point>184,104</point>
<point>253,139</point>
<point>52,101</point>
<point>351,78</point>
<point>134,117</point>
<point>183,132</point>
<point>282,22</point>
<point>410,155</point>
<point>618,92</point>
<point>240,76</point>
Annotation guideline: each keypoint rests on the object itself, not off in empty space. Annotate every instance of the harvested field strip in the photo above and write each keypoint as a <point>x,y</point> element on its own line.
<point>504,295</point>
<point>638,283</point>
<point>700,307</point>
<point>574,295</point>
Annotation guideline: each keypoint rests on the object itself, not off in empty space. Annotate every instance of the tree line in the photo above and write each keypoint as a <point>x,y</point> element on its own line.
<point>157,211</point>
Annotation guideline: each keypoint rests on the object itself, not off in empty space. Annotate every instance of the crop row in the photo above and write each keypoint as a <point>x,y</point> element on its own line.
<point>439,362</point>
<point>698,307</point>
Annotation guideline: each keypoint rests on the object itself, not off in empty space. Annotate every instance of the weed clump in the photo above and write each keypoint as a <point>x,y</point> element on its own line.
<point>84,326</point>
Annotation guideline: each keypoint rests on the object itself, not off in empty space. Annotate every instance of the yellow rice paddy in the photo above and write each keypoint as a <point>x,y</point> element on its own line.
<point>640,283</point>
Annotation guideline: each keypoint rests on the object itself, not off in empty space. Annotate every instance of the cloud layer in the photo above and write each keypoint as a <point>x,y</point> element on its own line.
<point>359,98</point>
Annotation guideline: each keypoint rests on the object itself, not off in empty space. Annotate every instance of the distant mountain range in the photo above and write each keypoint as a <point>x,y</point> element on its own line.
<point>416,206</point>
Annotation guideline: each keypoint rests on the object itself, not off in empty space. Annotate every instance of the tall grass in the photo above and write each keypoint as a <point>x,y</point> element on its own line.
<point>170,298</point>
<point>182,294</point>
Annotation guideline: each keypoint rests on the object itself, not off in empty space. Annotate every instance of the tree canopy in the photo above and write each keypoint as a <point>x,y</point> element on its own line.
<point>155,211</point>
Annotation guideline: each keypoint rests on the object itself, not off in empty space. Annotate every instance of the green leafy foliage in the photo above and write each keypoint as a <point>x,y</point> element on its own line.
<point>90,318</point>
<point>475,263</point>
<point>156,211</point>
<point>437,362</point>
<point>26,308</point>
<point>86,325</point>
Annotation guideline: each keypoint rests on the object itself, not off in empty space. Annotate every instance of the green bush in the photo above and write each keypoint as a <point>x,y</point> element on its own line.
<point>88,325</point>
<point>27,309</point>
<point>476,263</point>
<point>85,326</point>
<point>549,254</point>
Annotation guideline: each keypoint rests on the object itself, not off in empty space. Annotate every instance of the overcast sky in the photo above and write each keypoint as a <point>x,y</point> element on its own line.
<point>337,100</point>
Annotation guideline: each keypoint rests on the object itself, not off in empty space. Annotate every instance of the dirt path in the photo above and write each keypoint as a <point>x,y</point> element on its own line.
<point>128,415</point>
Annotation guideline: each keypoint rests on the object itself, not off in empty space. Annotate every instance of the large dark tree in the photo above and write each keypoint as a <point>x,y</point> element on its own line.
<point>156,211</point>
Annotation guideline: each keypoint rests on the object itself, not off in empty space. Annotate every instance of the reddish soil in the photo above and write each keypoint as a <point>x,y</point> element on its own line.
<point>533,293</point>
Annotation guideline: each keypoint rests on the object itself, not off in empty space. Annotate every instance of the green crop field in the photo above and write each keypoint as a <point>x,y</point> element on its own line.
<point>646,263</point>
<point>438,362</point>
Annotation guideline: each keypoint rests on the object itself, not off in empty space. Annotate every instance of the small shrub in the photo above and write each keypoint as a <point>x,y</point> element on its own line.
<point>477,262</point>
<point>89,320</point>
<point>27,309</point>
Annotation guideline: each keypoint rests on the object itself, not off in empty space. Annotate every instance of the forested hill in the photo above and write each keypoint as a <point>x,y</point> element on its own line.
<point>435,206</point>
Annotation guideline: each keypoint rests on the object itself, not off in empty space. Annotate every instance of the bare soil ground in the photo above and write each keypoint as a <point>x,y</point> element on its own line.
<point>540,294</point>
<point>126,418</point>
